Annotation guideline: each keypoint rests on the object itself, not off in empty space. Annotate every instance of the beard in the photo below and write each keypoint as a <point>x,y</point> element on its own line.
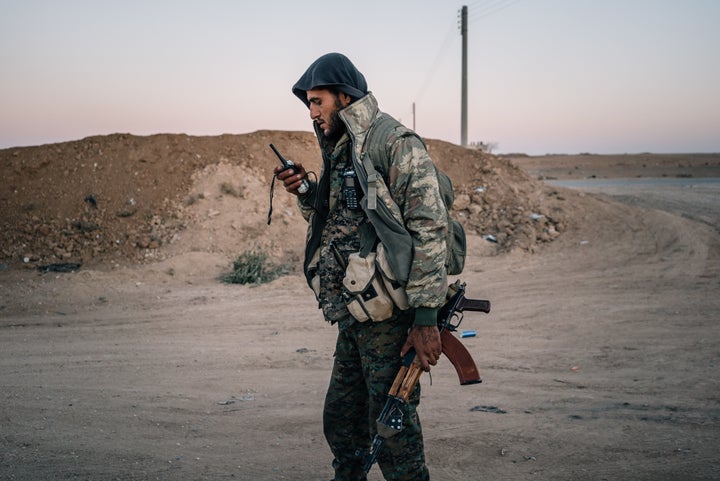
<point>336,125</point>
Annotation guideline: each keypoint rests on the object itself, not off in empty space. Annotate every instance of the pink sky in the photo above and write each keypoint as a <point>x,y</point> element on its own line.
<point>550,76</point>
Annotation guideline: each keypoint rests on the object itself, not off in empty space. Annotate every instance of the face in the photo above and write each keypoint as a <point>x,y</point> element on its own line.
<point>324,109</point>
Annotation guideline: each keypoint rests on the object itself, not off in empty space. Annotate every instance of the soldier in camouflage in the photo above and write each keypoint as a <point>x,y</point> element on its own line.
<point>368,354</point>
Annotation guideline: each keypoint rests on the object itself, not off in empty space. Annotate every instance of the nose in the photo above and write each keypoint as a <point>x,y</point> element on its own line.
<point>314,112</point>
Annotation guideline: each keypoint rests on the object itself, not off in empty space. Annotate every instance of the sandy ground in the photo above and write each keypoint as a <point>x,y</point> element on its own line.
<point>602,352</point>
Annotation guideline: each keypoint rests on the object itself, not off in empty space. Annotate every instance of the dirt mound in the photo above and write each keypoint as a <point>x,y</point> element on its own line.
<point>122,199</point>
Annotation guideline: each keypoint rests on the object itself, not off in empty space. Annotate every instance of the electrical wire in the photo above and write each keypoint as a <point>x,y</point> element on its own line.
<point>449,37</point>
<point>484,9</point>
<point>476,10</point>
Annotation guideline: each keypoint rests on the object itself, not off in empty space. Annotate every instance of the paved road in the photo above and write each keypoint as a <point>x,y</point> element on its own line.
<point>694,198</point>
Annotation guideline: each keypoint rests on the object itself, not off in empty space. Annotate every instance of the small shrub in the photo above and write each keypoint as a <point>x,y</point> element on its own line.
<point>252,268</point>
<point>229,189</point>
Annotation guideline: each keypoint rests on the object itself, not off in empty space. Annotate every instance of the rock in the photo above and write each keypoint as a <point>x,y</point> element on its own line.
<point>461,202</point>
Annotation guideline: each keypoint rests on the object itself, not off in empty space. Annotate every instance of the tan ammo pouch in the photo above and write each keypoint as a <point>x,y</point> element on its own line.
<point>365,294</point>
<point>395,290</point>
<point>371,289</point>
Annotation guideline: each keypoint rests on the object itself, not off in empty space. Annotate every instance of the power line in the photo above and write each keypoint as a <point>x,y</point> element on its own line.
<point>449,37</point>
<point>485,6</point>
<point>484,9</point>
<point>476,10</point>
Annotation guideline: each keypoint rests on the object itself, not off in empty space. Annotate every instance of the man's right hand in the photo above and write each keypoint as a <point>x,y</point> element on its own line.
<point>291,178</point>
<point>427,344</point>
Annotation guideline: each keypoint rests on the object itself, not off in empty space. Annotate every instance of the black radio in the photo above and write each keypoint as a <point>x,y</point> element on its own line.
<point>349,190</point>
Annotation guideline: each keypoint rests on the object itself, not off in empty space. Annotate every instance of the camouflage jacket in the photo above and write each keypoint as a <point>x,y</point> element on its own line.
<point>408,189</point>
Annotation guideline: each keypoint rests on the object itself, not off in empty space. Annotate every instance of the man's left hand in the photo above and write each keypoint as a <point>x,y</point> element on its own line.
<point>427,344</point>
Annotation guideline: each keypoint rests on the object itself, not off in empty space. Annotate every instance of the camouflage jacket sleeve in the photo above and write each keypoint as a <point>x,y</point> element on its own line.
<point>305,202</point>
<point>414,188</point>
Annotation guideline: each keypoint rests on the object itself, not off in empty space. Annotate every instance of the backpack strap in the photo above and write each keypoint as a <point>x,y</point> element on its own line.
<point>372,169</point>
<point>374,152</point>
<point>372,178</point>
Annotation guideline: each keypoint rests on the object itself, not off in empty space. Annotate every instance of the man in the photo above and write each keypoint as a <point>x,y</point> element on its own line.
<point>368,354</point>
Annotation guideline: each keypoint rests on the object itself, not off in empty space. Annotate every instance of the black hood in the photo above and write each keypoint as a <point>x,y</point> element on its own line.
<point>333,70</point>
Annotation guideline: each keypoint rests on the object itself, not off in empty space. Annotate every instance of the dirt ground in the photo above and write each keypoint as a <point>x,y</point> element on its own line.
<point>599,358</point>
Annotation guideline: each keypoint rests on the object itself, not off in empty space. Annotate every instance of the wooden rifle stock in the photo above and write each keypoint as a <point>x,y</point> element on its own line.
<point>405,380</point>
<point>390,421</point>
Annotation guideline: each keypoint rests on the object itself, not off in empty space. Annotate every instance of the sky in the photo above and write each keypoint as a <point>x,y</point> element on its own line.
<point>544,76</point>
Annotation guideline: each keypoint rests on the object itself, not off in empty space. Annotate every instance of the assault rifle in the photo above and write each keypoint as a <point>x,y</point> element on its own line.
<point>390,421</point>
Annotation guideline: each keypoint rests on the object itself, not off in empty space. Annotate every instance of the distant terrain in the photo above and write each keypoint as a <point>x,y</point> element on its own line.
<point>599,357</point>
<point>119,199</point>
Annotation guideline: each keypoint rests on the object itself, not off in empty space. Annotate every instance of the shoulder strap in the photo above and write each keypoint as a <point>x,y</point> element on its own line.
<point>372,179</point>
<point>374,151</point>
<point>372,169</point>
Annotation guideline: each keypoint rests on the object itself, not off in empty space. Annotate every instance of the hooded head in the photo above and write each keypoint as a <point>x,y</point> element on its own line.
<point>335,71</point>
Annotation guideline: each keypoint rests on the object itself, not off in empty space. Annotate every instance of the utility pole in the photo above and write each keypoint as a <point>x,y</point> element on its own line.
<point>413,116</point>
<point>463,109</point>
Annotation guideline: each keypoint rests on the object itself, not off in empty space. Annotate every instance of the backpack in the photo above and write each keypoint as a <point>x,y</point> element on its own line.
<point>389,229</point>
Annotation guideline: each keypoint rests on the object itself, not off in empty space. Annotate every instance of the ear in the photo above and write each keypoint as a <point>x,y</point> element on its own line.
<point>345,99</point>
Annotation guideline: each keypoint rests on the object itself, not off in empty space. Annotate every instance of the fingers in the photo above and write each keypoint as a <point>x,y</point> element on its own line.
<point>406,348</point>
<point>426,360</point>
<point>424,363</point>
<point>424,357</point>
<point>427,344</point>
<point>292,183</point>
<point>290,179</point>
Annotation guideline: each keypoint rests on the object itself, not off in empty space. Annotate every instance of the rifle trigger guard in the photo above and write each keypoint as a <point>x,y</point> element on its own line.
<point>456,315</point>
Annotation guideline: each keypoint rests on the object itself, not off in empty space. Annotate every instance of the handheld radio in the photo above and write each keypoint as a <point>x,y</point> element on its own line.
<point>287,164</point>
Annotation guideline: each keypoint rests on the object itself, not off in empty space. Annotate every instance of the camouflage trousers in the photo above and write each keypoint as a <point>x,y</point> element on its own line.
<point>367,358</point>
